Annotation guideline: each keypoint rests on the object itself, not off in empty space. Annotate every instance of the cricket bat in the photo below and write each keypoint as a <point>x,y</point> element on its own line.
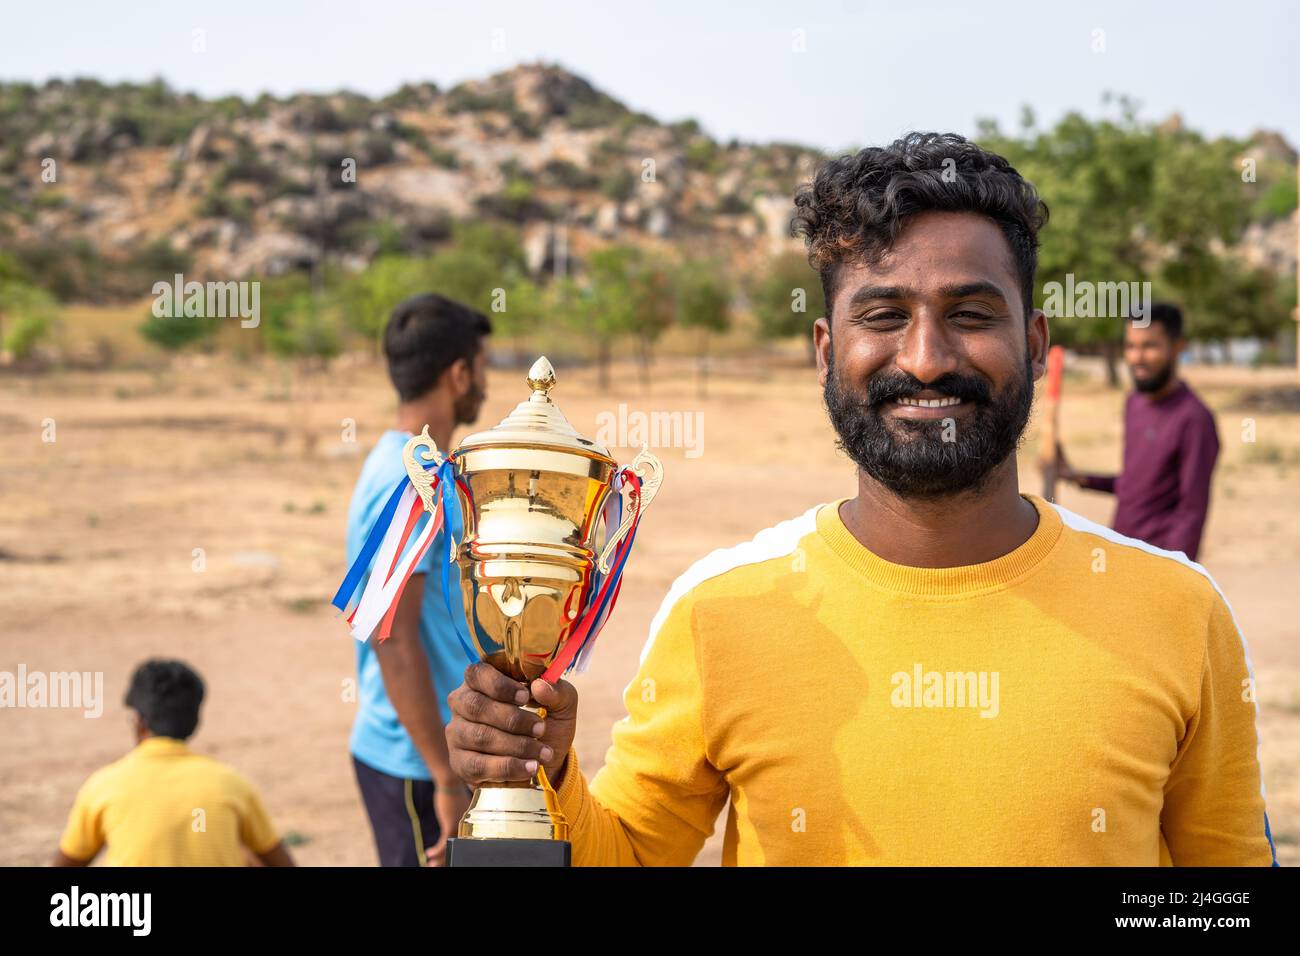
<point>1049,434</point>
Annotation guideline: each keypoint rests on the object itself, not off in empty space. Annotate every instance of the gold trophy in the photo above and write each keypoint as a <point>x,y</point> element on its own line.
<point>531,493</point>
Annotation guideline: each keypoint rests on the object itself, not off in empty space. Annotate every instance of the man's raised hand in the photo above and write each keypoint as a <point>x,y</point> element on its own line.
<point>491,738</point>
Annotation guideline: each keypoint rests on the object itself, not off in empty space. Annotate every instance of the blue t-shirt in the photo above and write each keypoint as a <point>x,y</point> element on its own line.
<point>378,737</point>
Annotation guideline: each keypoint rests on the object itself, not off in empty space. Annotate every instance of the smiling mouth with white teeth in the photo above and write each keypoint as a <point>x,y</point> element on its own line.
<point>929,402</point>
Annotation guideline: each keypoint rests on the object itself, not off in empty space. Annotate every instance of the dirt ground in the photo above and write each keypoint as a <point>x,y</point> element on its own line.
<point>99,530</point>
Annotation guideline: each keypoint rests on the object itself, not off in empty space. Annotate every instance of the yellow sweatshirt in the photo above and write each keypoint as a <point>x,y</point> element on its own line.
<point>1086,699</point>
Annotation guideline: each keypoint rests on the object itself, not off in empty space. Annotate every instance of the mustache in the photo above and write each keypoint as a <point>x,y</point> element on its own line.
<point>887,387</point>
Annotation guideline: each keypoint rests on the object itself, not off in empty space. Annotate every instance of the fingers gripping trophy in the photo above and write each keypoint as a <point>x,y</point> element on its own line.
<point>539,522</point>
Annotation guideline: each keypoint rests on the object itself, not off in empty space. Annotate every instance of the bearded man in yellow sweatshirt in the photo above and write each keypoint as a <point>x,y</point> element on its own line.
<point>940,670</point>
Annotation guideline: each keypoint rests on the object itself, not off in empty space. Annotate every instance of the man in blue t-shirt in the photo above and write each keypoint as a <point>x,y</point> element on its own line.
<point>437,361</point>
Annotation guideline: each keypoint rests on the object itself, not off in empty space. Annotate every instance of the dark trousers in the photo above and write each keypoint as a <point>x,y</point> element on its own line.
<point>401,815</point>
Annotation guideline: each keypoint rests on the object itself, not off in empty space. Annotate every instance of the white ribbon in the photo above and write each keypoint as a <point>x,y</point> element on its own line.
<point>380,594</point>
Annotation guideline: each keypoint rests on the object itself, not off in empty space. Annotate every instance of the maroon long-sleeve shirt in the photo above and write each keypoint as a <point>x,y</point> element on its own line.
<point>1163,492</point>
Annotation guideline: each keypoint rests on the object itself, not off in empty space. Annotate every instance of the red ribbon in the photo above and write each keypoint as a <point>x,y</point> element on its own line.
<point>612,583</point>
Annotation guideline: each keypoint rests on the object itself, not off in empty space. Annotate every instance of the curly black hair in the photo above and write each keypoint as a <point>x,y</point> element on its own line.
<point>857,205</point>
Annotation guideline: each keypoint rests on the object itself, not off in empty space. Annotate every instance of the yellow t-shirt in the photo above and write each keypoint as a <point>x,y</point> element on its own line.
<point>1086,699</point>
<point>163,805</point>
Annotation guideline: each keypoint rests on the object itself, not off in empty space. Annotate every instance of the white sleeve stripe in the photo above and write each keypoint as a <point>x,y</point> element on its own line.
<point>773,542</point>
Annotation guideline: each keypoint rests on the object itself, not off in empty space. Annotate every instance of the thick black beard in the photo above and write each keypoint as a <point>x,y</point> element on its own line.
<point>911,459</point>
<point>466,407</point>
<point>1157,381</point>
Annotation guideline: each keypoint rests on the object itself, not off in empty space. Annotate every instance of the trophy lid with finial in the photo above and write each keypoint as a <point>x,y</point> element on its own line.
<point>536,422</point>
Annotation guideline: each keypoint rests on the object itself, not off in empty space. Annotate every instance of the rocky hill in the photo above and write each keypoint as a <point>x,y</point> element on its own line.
<point>104,189</point>
<point>121,182</point>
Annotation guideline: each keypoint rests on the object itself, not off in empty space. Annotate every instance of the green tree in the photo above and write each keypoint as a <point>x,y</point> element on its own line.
<point>497,243</point>
<point>518,312</point>
<point>178,331</point>
<point>467,276</point>
<point>787,298</point>
<point>304,326</point>
<point>653,305</point>
<point>1236,301</point>
<point>367,297</point>
<point>27,315</point>
<point>10,268</point>
<point>1132,202</point>
<point>601,309</point>
<point>704,304</point>
<point>298,323</point>
<point>1096,177</point>
<point>482,258</point>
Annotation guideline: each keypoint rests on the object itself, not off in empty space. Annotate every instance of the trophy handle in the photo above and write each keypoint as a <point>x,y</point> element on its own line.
<point>651,472</point>
<point>421,479</point>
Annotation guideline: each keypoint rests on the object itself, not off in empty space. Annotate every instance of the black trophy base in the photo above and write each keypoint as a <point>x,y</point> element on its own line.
<point>468,851</point>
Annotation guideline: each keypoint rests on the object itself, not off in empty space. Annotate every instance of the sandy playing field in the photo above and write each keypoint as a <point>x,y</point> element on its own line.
<point>99,530</point>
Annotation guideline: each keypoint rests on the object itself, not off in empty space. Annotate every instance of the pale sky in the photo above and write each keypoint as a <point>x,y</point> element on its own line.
<point>868,70</point>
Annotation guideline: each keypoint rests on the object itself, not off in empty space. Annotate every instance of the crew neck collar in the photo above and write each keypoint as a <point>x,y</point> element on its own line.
<point>162,745</point>
<point>964,580</point>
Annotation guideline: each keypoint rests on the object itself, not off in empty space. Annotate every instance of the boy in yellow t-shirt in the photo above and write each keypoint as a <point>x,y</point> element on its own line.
<point>161,804</point>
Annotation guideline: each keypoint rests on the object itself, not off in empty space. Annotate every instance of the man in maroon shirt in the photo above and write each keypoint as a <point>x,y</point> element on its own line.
<point>1170,443</point>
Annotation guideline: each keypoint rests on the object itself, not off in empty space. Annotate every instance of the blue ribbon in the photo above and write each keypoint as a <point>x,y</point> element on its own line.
<point>444,559</point>
<point>373,540</point>
<point>454,526</point>
<point>615,575</point>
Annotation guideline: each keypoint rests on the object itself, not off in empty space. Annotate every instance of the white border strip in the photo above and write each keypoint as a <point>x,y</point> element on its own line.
<point>774,542</point>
